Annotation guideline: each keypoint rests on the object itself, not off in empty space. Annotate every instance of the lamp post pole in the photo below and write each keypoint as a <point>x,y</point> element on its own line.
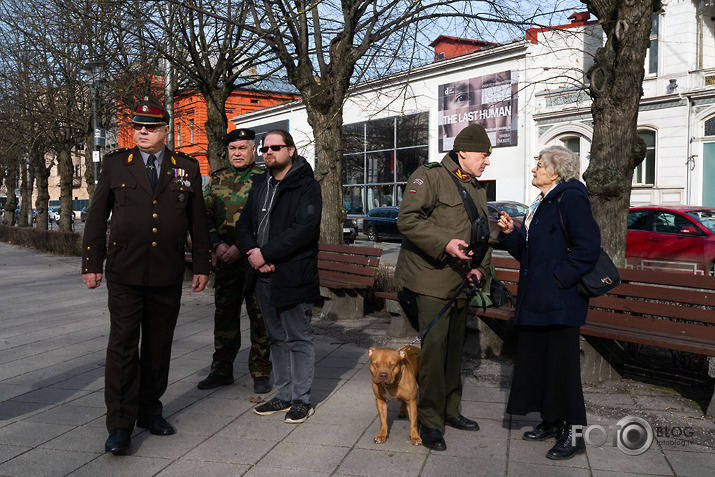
<point>94,69</point>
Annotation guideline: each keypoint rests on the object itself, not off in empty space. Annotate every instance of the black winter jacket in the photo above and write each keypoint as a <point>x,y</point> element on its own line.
<point>294,230</point>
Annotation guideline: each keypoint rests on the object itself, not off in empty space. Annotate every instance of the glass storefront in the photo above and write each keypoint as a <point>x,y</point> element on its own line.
<point>378,158</point>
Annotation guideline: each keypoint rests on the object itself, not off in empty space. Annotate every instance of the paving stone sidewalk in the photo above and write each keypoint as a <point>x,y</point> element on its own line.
<point>53,335</point>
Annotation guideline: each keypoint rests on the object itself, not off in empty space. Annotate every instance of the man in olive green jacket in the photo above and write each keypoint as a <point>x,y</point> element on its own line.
<point>433,263</point>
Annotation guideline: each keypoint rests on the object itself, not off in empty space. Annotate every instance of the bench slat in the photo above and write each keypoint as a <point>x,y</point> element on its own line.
<point>651,308</point>
<point>677,329</point>
<point>350,259</point>
<point>347,269</point>
<point>327,276</point>
<point>350,249</point>
<point>661,340</point>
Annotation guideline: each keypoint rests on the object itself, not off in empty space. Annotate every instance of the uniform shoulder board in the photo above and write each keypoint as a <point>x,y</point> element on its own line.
<point>430,165</point>
<point>114,152</point>
<point>185,156</point>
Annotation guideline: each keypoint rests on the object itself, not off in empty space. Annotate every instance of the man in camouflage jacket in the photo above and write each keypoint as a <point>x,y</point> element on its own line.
<point>225,198</point>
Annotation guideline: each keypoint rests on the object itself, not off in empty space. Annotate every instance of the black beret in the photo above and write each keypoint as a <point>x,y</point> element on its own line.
<point>239,135</point>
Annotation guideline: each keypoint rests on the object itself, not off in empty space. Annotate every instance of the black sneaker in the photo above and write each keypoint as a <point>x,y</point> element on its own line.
<point>271,407</point>
<point>215,380</point>
<point>261,385</point>
<point>299,412</point>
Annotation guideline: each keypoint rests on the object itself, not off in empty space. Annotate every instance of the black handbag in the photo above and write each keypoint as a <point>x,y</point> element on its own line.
<point>603,278</point>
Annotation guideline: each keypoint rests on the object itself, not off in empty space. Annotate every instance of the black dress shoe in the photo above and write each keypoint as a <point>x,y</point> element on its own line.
<point>261,385</point>
<point>565,447</point>
<point>118,441</point>
<point>461,422</point>
<point>543,431</point>
<point>214,381</point>
<point>432,439</point>
<point>156,425</point>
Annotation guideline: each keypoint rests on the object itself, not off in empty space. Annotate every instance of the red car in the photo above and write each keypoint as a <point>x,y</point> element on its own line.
<point>678,237</point>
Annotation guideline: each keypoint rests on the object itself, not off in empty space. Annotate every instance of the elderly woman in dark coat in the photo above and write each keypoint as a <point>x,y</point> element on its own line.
<point>549,309</point>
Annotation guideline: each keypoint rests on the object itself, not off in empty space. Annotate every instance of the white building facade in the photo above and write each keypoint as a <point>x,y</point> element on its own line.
<point>528,95</point>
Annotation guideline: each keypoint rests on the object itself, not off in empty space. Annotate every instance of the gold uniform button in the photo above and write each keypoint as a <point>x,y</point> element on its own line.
<point>154,202</point>
<point>86,269</point>
<point>123,185</point>
<point>114,243</point>
<point>155,215</point>
<point>153,244</point>
<point>88,248</point>
<point>154,230</point>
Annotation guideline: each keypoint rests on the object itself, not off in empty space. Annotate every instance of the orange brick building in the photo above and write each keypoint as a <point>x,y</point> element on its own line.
<point>190,117</point>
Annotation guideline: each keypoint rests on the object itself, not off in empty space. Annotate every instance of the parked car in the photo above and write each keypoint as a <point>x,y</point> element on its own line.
<point>516,210</point>
<point>350,230</point>
<point>682,236</point>
<point>381,222</point>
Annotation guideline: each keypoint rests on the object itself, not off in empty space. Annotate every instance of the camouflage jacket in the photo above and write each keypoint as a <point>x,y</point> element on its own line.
<point>225,198</point>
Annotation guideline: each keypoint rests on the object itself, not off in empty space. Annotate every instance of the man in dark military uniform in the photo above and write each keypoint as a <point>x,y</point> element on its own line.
<point>225,198</point>
<point>154,196</point>
<point>433,264</point>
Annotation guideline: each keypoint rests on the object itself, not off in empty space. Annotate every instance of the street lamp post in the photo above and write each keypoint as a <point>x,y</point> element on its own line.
<point>94,78</point>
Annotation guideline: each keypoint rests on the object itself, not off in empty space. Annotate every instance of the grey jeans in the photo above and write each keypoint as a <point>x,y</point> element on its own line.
<point>292,349</point>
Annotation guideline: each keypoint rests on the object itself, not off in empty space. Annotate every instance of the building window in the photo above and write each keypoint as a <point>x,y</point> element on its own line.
<point>178,135</point>
<point>191,132</point>
<point>710,127</point>
<point>651,58</point>
<point>378,158</point>
<point>644,173</point>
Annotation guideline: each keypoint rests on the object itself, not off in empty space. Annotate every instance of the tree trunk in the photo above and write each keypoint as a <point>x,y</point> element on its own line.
<point>42,174</point>
<point>616,79</point>
<point>89,163</point>
<point>216,126</point>
<point>11,203</point>
<point>25,197</point>
<point>66,171</point>
<point>327,129</point>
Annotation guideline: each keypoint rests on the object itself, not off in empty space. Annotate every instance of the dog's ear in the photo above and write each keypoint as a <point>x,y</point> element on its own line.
<point>403,355</point>
<point>369,352</point>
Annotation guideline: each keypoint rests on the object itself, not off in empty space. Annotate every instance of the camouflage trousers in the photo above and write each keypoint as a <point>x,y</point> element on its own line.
<point>229,295</point>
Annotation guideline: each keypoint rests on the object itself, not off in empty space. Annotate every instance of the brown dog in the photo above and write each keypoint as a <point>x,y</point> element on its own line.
<point>394,378</point>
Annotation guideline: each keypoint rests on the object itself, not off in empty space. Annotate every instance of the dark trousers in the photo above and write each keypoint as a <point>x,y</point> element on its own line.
<point>136,375</point>
<point>440,362</point>
<point>230,279</point>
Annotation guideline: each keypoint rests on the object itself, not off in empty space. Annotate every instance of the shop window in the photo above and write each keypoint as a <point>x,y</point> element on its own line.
<point>644,173</point>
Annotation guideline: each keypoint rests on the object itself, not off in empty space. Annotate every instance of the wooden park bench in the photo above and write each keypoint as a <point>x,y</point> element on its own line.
<point>666,309</point>
<point>346,272</point>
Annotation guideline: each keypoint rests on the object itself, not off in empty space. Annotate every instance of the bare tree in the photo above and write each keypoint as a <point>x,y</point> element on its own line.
<point>616,80</point>
<point>208,46</point>
<point>325,46</point>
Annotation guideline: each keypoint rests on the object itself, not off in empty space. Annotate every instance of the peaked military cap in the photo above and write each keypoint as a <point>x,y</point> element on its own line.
<point>239,135</point>
<point>150,111</point>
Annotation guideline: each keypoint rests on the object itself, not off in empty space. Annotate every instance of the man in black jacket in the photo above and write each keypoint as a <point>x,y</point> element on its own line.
<point>279,230</point>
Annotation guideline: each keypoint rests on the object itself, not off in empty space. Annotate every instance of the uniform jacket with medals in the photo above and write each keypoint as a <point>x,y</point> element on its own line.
<point>148,232</point>
<point>431,214</point>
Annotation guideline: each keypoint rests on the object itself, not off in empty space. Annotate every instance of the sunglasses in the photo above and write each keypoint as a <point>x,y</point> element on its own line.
<point>151,129</point>
<point>274,148</point>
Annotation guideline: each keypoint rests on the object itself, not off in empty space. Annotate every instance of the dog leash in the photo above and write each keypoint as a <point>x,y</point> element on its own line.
<point>447,306</point>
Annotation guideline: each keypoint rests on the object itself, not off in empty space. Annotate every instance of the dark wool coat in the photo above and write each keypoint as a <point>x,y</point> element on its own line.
<point>549,272</point>
<point>293,234</point>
